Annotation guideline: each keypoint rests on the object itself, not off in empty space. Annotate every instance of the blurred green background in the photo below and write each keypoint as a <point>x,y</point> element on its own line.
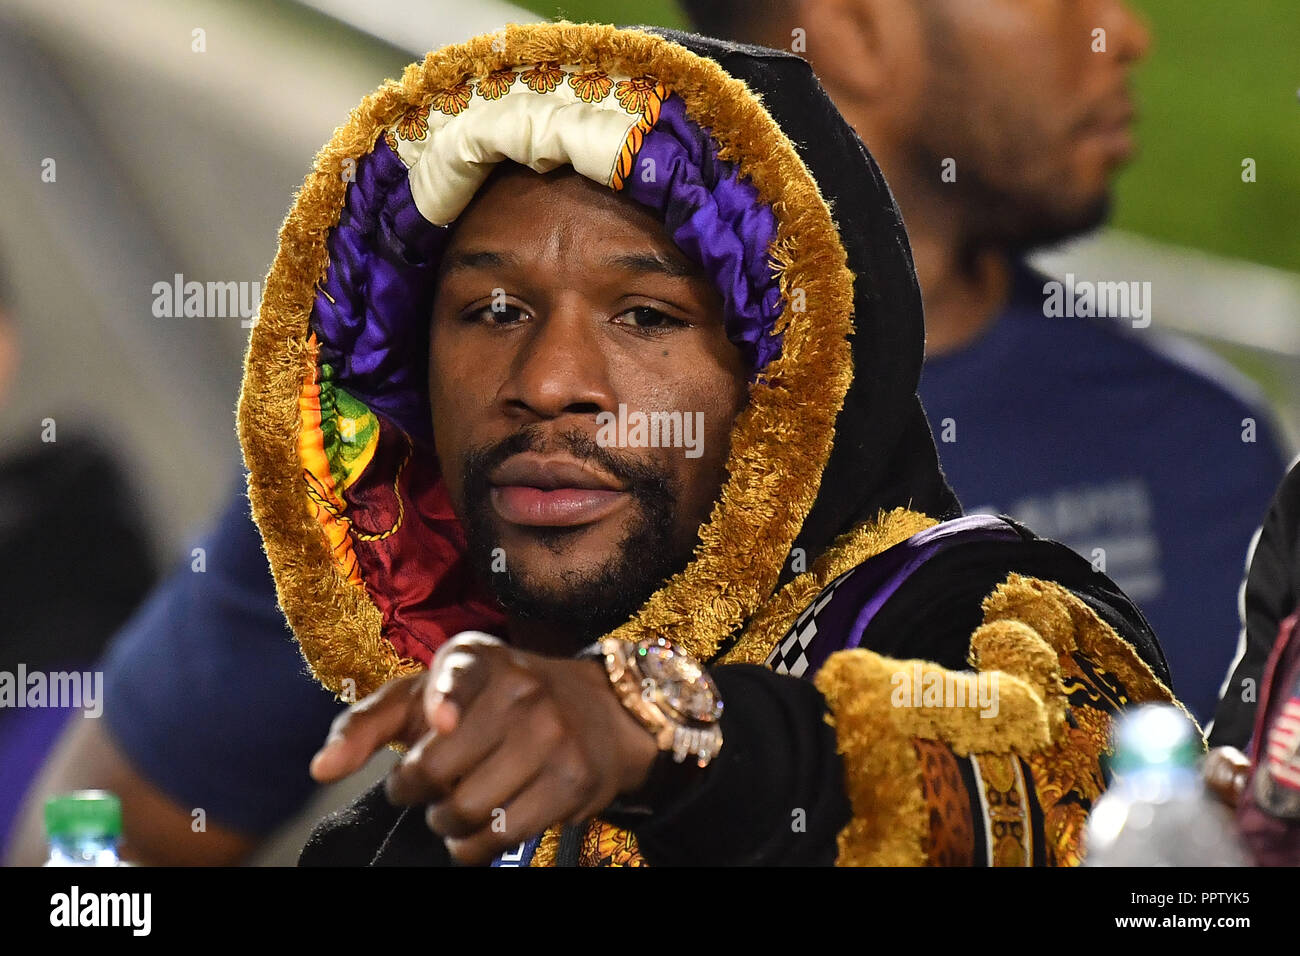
<point>1220,85</point>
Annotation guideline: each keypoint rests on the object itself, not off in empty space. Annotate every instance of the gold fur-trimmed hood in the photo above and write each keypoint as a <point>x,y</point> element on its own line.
<point>368,559</point>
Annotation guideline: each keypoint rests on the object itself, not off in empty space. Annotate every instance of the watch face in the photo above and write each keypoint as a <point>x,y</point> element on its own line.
<point>680,682</point>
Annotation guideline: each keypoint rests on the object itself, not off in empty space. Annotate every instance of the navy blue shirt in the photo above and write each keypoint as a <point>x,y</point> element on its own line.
<point>205,690</point>
<point>1147,455</point>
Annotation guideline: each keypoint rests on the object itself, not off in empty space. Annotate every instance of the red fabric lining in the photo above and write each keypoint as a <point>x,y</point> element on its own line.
<point>429,592</point>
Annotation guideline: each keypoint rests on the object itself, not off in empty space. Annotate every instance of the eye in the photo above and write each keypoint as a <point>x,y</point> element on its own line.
<point>502,314</point>
<point>649,319</point>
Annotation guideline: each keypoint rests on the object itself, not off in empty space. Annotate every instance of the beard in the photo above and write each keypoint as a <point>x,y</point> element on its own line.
<point>1024,221</point>
<point>589,603</point>
<point>1015,218</point>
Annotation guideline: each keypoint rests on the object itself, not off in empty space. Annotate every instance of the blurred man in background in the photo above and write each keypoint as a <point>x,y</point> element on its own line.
<point>1136,454</point>
<point>74,563</point>
<point>1000,125</point>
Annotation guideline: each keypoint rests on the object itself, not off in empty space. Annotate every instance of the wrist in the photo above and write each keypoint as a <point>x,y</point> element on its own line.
<point>669,704</point>
<point>642,753</point>
<point>634,745</point>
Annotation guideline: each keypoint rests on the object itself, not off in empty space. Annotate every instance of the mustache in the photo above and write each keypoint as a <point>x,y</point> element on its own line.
<point>644,480</point>
<point>595,603</point>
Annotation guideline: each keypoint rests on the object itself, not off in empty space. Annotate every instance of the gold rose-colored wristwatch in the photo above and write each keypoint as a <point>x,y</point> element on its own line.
<point>668,691</point>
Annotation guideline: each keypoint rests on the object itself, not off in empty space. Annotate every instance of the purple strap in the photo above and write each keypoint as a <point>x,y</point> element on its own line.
<point>842,612</point>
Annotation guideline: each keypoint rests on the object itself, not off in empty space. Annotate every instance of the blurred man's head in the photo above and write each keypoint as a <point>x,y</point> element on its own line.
<point>1019,93</point>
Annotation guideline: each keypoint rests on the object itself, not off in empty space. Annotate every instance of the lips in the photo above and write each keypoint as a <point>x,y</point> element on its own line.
<point>556,493</point>
<point>1113,124</point>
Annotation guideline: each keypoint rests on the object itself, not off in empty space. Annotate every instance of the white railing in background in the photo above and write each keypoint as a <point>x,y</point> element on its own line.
<point>1218,301</point>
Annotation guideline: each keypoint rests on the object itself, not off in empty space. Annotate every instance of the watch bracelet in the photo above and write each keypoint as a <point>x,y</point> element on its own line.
<point>667,778</point>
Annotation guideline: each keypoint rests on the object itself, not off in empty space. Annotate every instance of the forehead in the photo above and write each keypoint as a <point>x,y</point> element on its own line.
<point>527,208</point>
<point>564,226</point>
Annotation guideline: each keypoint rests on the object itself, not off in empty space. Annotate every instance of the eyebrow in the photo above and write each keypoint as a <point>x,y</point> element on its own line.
<point>654,262</point>
<point>476,259</point>
<point>645,262</point>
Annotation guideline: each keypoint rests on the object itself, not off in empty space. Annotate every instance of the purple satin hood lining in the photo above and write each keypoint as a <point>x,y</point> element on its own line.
<point>383,260</point>
<point>717,220</point>
<point>372,311</point>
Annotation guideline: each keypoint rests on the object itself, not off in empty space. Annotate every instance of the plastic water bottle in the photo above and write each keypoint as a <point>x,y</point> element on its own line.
<point>84,829</point>
<point>1157,811</point>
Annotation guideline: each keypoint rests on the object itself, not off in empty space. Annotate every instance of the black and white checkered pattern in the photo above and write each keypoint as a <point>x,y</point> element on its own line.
<point>788,656</point>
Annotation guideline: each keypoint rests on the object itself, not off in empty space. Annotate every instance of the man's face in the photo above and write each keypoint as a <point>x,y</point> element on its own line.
<point>1037,121</point>
<point>558,301</point>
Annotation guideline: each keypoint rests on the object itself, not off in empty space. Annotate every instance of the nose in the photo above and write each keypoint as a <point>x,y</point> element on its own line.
<point>1130,34</point>
<point>559,368</point>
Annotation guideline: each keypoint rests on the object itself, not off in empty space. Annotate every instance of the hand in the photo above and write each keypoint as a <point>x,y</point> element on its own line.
<point>503,744</point>
<point>1225,772</point>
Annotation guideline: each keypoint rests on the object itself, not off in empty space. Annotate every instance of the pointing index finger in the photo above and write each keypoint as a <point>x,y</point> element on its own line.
<point>390,713</point>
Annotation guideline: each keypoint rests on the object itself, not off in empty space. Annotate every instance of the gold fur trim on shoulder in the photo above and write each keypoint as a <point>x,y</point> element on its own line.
<point>1017,648</point>
<point>1069,626</point>
<point>790,416</point>
<point>774,619</point>
<point>878,707</point>
<point>1027,654</point>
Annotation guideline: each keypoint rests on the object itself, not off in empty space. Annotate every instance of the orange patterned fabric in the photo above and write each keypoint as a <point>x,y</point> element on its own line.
<point>452,100</point>
<point>324,500</point>
<point>544,77</point>
<point>606,845</point>
<point>950,840</point>
<point>496,84</point>
<point>650,101</point>
<point>591,85</point>
<point>1068,775</point>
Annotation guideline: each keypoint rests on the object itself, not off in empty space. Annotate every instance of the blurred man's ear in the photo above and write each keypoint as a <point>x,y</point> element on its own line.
<point>863,49</point>
<point>844,45</point>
